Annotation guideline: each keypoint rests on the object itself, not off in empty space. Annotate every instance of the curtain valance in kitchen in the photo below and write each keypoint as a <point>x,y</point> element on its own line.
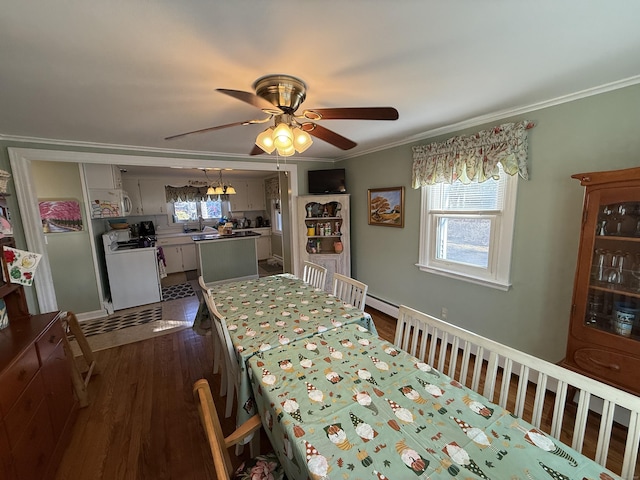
<point>473,158</point>
<point>185,194</point>
<point>272,188</point>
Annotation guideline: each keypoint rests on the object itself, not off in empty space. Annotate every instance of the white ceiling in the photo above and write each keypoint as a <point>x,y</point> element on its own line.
<point>130,73</point>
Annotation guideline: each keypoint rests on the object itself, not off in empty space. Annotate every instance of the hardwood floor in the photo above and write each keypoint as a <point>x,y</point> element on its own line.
<point>142,421</point>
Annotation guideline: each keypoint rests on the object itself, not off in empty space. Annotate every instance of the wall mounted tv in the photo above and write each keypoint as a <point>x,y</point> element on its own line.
<point>327,181</point>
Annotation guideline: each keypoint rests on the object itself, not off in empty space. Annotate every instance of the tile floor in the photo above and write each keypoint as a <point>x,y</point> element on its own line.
<point>176,314</point>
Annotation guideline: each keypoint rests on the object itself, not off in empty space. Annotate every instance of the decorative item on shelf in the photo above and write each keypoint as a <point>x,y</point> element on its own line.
<point>6,230</point>
<point>337,246</point>
<point>309,209</point>
<point>311,230</point>
<point>4,180</point>
<point>624,316</point>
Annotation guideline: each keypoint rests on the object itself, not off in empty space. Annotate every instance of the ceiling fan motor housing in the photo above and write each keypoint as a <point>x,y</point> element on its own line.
<point>283,91</point>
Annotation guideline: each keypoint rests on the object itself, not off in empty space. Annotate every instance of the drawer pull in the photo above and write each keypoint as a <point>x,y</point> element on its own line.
<point>22,374</point>
<point>610,366</point>
<point>52,338</point>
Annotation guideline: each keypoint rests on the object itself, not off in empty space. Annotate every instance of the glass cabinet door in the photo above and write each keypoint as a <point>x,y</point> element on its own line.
<point>613,296</point>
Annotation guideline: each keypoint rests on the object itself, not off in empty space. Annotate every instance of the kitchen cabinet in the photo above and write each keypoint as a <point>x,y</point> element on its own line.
<point>179,253</point>
<point>604,328</point>
<point>324,233</point>
<point>102,176</point>
<point>147,196</point>
<point>249,196</point>
<point>263,243</point>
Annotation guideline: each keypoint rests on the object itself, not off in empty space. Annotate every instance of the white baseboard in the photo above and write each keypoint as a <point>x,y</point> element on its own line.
<point>382,306</point>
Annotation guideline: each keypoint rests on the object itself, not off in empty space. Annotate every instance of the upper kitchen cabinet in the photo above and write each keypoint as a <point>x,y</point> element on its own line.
<point>249,196</point>
<point>102,176</point>
<point>147,196</point>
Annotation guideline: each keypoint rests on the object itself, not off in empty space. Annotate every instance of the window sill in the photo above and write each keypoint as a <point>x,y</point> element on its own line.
<point>466,278</point>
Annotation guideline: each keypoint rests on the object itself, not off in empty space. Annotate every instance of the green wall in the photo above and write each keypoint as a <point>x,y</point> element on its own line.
<point>592,134</point>
<point>70,255</point>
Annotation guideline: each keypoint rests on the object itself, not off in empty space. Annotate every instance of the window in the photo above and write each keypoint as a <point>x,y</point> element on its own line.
<point>189,211</point>
<point>466,230</point>
<point>276,214</point>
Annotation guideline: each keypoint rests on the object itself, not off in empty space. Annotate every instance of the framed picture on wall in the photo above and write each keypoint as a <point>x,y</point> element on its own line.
<point>386,206</point>
<point>60,216</point>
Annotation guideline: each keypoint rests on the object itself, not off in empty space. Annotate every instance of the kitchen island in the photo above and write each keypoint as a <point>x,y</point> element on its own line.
<point>223,258</point>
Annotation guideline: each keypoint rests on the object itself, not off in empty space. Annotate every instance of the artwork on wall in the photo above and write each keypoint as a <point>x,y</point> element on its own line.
<point>386,206</point>
<point>60,216</point>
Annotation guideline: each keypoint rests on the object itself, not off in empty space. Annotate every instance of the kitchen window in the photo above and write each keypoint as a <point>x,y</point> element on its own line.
<point>191,211</point>
<point>467,229</point>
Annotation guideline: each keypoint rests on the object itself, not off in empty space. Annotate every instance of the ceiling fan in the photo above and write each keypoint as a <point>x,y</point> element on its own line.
<point>279,97</point>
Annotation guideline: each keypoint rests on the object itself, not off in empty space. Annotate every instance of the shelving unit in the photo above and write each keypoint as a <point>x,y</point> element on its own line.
<point>324,233</point>
<point>604,332</point>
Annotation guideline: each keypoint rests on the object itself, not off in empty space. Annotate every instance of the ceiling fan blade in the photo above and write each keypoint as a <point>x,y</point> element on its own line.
<point>252,99</point>
<point>256,150</point>
<point>352,113</point>
<point>328,136</point>
<point>210,129</point>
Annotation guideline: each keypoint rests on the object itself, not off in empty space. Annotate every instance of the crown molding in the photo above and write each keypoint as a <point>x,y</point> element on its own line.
<point>502,114</point>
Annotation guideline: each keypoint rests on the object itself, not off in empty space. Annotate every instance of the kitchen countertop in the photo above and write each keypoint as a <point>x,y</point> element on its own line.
<point>217,236</point>
<point>173,234</point>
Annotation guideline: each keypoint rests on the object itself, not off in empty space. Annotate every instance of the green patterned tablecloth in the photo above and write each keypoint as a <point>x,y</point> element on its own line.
<point>273,311</point>
<point>348,405</point>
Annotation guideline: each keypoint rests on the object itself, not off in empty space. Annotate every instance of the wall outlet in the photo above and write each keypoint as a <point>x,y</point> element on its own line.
<point>443,314</point>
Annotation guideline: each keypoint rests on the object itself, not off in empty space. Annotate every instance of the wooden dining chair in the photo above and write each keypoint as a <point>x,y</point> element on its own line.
<point>314,274</point>
<point>350,290</point>
<point>217,346</point>
<point>219,444</point>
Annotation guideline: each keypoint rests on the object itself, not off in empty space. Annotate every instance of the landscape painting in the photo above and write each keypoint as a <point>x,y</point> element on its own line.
<point>386,206</point>
<point>60,216</point>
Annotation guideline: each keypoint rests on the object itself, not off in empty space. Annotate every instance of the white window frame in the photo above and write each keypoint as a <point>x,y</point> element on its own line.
<point>497,274</point>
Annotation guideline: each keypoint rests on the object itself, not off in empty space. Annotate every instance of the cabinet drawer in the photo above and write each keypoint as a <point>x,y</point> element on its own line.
<point>24,409</point>
<point>16,378</point>
<point>5,457</point>
<point>609,367</point>
<point>32,454</point>
<point>49,340</point>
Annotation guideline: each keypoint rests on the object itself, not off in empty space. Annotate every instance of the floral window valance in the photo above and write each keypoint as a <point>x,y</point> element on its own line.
<point>185,194</point>
<point>473,158</point>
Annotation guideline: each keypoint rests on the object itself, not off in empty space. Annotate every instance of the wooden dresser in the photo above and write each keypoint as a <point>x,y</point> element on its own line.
<point>37,403</point>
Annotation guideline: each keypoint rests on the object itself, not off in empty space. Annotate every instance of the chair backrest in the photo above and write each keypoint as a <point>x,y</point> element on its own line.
<point>350,290</point>
<point>552,398</point>
<point>222,331</point>
<point>218,444</point>
<point>314,274</point>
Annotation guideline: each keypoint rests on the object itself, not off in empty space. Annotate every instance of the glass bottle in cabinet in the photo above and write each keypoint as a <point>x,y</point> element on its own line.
<point>323,232</point>
<point>604,331</point>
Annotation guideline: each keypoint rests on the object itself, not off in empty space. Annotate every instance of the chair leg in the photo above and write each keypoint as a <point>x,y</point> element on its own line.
<point>80,382</point>
<point>230,395</point>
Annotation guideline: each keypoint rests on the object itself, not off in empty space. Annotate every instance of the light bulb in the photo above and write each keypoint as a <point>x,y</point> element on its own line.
<point>265,140</point>
<point>302,140</point>
<point>282,136</point>
<point>287,151</point>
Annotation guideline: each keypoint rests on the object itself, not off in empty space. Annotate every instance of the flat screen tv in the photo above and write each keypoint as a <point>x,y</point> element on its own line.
<point>327,181</point>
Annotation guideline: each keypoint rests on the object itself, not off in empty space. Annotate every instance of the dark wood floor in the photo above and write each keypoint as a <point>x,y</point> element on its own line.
<point>142,422</point>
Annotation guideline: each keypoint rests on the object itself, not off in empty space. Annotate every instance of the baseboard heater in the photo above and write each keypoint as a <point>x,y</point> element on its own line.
<point>383,306</point>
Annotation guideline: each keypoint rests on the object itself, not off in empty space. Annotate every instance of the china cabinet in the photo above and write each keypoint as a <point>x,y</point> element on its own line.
<point>323,230</point>
<point>604,330</point>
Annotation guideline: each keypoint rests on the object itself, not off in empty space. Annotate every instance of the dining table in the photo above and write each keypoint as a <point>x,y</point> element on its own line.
<point>348,405</point>
<point>273,311</point>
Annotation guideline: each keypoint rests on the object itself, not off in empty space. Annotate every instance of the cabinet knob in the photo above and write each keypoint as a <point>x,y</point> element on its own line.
<point>52,339</point>
<point>610,366</point>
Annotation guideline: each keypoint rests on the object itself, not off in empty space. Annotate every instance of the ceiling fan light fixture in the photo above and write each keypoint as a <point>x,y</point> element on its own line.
<point>265,140</point>
<point>283,136</point>
<point>287,151</point>
<point>301,140</point>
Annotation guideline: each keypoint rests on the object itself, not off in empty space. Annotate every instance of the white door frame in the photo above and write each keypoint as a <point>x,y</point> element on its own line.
<point>21,159</point>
